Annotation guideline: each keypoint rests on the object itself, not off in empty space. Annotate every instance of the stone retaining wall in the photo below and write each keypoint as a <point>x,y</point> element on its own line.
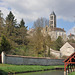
<point>22,60</point>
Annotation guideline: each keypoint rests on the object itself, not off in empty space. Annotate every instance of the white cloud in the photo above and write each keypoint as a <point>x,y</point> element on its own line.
<point>30,10</point>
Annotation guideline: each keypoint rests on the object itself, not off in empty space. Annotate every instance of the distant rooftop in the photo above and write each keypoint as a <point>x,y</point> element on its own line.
<point>72,44</point>
<point>58,29</point>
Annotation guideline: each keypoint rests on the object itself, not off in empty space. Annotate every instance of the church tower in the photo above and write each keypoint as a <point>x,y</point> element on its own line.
<point>52,20</point>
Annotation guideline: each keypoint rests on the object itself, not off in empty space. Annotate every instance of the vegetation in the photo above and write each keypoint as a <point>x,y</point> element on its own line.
<point>5,45</point>
<point>23,68</point>
<point>58,43</point>
<point>71,40</point>
<point>3,72</point>
<point>14,38</point>
<point>41,22</point>
<point>73,73</point>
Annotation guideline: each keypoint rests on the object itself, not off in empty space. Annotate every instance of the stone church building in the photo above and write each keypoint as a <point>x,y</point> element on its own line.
<point>52,29</point>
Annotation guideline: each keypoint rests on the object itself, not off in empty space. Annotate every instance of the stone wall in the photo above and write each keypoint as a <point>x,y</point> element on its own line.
<point>22,60</point>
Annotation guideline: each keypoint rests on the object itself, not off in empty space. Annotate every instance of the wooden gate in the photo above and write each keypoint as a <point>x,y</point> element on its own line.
<point>0,58</point>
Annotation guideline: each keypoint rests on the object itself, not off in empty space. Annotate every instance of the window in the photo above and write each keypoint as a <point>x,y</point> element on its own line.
<point>51,17</point>
<point>51,22</point>
<point>46,28</point>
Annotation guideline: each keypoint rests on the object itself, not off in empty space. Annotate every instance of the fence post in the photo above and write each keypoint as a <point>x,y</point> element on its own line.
<point>3,57</point>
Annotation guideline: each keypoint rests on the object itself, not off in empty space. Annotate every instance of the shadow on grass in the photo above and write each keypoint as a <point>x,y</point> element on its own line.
<point>3,72</point>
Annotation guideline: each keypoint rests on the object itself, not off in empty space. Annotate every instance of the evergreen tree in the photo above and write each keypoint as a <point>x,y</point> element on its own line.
<point>59,43</point>
<point>22,23</point>
<point>21,37</point>
<point>5,45</point>
<point>10,24</point>
<point>11,18</point>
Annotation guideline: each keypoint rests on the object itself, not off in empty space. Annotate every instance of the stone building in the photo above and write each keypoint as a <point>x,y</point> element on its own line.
<point>52,30</point>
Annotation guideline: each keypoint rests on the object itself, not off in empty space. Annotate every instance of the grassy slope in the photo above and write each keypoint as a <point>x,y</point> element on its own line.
<point>73,73</point>
<point>22,68</point>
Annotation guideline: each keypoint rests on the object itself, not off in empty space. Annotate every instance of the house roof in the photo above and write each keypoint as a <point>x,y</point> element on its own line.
<point>72,44</point>
<point>58,29</point>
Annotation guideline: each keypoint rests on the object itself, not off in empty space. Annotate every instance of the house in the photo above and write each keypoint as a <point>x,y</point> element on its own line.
<point>67,49</point>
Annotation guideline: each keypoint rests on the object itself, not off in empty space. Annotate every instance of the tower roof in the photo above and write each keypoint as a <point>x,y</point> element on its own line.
<point>53,13</point>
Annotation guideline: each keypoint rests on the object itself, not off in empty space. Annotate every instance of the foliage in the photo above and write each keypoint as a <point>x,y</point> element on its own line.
<point>37,41</point>
<point>22,23</point>
<point>3,72</point>
<point>71,40</point>
<point>48,44</point>
<point>11,18</point>
<point>23,44</point>
<point>56,45</point>
<point>59,43</point>
<point>21,50</point>
<point>5,45</point>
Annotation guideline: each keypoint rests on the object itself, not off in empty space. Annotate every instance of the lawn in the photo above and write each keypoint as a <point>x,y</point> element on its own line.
<point>73,73</point>
<point>23,68</point>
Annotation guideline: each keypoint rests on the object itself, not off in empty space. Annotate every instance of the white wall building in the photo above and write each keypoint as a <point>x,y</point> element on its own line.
<point>67,49</point>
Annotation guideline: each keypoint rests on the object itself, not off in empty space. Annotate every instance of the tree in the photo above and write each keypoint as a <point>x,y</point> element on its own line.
<point>38,41</point>
<point>22,23</point>
<point>59,43</point>
<point>21,34</point>
<point>11,18</point>
<point>41,22</point>
<point>48,43</point>
<point>10,24</point>
<point>1,23</point>
<point>5,45</point>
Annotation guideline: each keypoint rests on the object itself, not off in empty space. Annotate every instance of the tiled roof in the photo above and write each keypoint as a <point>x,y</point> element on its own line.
<point>58,29</point>
<point>69,57</point>
<point>72,44</point>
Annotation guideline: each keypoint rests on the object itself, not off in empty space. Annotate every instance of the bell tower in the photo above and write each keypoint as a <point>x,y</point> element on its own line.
<point>52,20</point>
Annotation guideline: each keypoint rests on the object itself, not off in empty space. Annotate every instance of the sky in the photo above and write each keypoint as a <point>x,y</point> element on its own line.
<point>30,10</point>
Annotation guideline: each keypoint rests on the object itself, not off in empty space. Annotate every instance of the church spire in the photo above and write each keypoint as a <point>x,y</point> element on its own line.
<point>52,20</point>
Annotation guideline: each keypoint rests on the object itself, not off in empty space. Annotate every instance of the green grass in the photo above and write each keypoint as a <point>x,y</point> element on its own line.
<point>23,68</point>
<point>73,73</point>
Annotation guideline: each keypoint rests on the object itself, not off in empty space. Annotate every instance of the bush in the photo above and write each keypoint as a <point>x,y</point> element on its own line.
<point>3,72</point>
<point>5,45</point>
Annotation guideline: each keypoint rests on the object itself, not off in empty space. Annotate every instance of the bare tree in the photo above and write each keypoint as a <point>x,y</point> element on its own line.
<point>41,22</point>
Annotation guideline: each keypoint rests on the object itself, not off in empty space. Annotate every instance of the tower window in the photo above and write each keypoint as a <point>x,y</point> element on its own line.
<point>51,17</point>
<point>46,28</point>
<point>51,22</point>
